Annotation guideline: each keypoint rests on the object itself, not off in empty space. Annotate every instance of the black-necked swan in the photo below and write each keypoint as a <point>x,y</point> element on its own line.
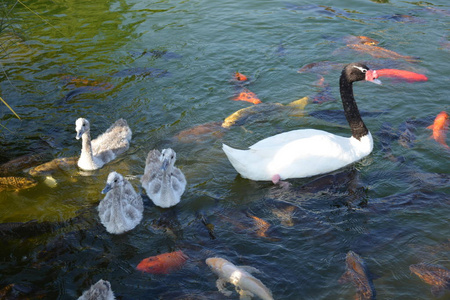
<point>98,291</point>
<point>163,182</point>
<point>106,147</point>
<point>308,152</point>
<point>121,209</point>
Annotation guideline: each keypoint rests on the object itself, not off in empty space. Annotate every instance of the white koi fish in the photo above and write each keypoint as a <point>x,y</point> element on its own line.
<point>246,285</point>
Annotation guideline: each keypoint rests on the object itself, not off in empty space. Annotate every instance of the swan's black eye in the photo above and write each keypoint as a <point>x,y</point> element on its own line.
<point>115,180</point>
<point>171,157</point>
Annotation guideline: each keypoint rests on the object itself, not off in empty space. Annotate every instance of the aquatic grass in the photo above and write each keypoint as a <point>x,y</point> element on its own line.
<point>36,14</point>
<point>7,105</point>
<point>4,50</point>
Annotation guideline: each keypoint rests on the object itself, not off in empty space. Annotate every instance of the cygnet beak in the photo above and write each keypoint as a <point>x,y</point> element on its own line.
<point>79,134</point>
<point>107,188</point>
<point>165,164</point>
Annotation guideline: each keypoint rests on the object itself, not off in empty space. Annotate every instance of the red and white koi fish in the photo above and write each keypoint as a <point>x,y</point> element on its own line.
<point>246,284</point>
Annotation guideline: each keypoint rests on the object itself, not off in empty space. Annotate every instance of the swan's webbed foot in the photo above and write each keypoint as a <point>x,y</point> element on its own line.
<point>276,179</point>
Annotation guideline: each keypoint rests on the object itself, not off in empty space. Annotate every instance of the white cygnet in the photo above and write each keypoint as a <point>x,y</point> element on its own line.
<point>106,147</point>
<point>121,209</point>
<point>98,291</point>
<point>163,182</point>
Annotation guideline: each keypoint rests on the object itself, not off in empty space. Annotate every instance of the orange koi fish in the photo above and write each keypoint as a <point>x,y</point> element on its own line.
<point>261,226</point>
<point>358,274</point>
<point>163,263</point>
<point>367,40</point>
<point>402,74</point>
<point>247,95</point>
<point>77,82</point>
<point>435,275</point>
<point>360,39</point>
<point>239,77</point>
<point>440,127</point>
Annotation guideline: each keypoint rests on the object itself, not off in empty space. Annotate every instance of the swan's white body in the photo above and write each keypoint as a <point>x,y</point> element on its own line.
<point>163,182</point>
<point>121,209</point>
<point>106,147</point>
<point>298,154</point>
<point>308,152</point>
<point>246,285</point>
<point>98,291</point>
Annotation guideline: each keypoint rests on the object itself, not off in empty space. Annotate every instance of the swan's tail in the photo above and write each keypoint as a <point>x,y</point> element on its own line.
<point>236,158</point>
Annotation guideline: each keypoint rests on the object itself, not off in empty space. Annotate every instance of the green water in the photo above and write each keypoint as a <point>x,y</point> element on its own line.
<point>392,208</point>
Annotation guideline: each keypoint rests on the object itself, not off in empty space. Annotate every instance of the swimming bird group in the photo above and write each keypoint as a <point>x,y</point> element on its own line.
<point>293,154</point>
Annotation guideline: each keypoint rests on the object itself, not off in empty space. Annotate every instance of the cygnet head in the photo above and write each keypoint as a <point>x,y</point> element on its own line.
<point>114,180</point>
<point>168,158</point>
<point>81,126</point>
<point>99,291</point>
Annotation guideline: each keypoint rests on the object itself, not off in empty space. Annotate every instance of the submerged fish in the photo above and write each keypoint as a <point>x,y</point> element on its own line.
<point>81,86</point>
<point>64,163</point>
<point>248,96</point>
<point>240,117</point>
<point>28,229</point>
<point>209,227</point>
<point>239,77</point>
<point>201,132</point>
<point>141,72</point>
<point>249,224</point>
<point>435,275</point>
<point>18,164</point>
<point>243,115</point>
<point>324,94</point>
<point>82,90</point>
<point>440,127</point>
<point>286,214</point>
<point>14,183</point>
<point>319,9</point>
<point>246,285</point>
<point>360,39</point>
<point>321,67</point>
<point>163,263</point>
<point>402,18</point>
<point>380,52</point>
<point>358,273</point>
<point>261,225</point>
<point>77,82</point>
<point>155,54</point>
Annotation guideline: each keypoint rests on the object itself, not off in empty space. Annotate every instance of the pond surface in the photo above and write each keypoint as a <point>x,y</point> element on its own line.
<point>167,68</point>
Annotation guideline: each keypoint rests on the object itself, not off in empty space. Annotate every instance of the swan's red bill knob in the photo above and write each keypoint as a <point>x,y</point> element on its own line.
<point>401,74</point>
<point>372,76</point>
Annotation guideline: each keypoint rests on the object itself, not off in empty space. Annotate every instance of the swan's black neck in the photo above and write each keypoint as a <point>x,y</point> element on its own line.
<point>351,111</point>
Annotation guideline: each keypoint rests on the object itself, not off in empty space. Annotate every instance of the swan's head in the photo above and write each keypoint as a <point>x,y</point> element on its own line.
<point>81,126</point>
<point>357,72</point>
<point>114,180</point>
<point>168,157</point>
